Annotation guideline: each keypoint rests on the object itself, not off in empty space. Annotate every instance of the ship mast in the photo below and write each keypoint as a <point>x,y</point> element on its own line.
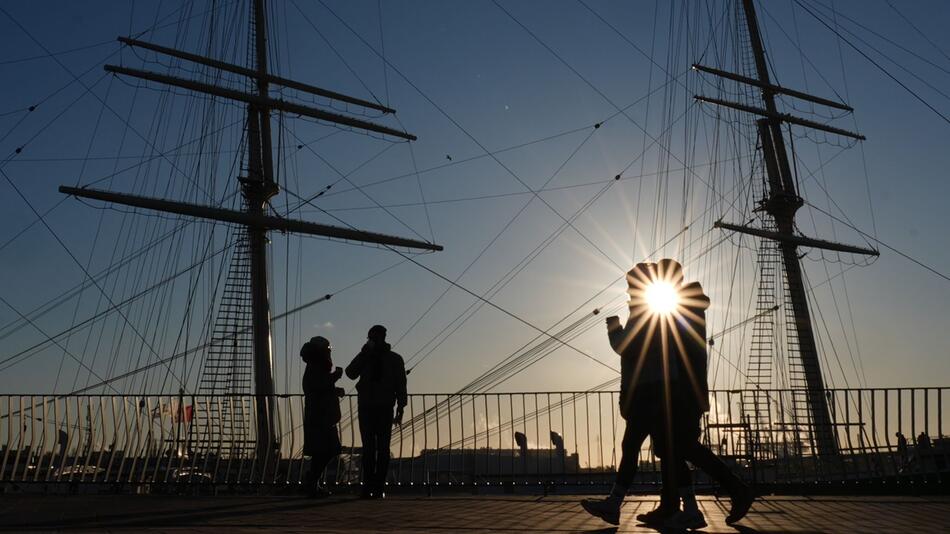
<point>782,201</point>
<point>258,187</point>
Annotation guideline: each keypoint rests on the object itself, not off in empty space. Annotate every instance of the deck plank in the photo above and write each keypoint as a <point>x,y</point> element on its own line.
<point>128,513</point>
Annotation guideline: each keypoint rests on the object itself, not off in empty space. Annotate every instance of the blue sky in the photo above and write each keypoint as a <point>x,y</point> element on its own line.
<point>466,78</point>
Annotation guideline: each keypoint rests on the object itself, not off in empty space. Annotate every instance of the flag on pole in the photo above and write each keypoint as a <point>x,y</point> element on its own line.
<point>175,411</point>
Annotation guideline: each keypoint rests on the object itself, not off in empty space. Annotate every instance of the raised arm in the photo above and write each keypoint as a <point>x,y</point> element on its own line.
<point>616,335</point>
<point>355,369</point>
<point>621,337</point>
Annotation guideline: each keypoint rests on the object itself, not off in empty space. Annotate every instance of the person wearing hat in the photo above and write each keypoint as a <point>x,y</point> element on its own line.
<point>382,385</point>
<point>321,439</point>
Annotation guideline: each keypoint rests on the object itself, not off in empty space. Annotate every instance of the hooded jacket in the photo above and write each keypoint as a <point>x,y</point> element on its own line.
<point>382,376</point>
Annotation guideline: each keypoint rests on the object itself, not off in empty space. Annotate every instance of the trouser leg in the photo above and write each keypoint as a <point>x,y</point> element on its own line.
<point>686,434</point>
<point>684,476</point>
<point>318,464</point>
<point>368,436</point>
<point>633,437</point>
<point>673,468</point>
<point>384,427</point>
<point>666,447</point>
<point>669,495</point>
<point>703,458</point>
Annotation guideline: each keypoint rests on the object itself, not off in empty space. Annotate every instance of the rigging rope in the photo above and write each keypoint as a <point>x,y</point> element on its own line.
<point>876,64</point>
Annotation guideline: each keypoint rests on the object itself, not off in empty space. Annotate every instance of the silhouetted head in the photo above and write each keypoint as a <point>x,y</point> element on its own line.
<point>321,344</point>
<point>641,275</point>
<point>669,271</point>
<point>318,349</point>
<point>645,273</point>
<point>377,334</point>
<point>655,287</point>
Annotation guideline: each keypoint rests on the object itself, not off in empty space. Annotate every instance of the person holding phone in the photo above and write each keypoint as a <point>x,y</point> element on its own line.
<point>321,411</point>
<point>642,404</point>
<point>664,393</point>
<point>382,384</point>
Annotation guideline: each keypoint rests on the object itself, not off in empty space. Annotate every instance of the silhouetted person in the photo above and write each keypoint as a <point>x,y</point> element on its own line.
<point>321,439</point>
<point>677,478</point>
<point>643,379</point>
<point>690,399</point>
<point>901,449</point>
<point>924,452</point>
<point>664,393</point>
<point>382,384</point>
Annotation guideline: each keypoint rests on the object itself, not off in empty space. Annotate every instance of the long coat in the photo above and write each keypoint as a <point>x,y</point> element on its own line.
<point>321,411</point>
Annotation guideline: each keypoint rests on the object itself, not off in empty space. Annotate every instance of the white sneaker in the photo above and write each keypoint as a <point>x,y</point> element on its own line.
<point>684,520</point>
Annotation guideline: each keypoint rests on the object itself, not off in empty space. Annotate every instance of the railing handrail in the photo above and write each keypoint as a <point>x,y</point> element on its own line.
<point>156,438</point>
<point>466,394</point>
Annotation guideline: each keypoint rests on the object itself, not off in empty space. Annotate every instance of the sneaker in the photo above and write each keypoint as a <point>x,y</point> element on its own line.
<point>603,509</point>
<point>685,521</point>
<point>742,499</point>
<point>657,516</point>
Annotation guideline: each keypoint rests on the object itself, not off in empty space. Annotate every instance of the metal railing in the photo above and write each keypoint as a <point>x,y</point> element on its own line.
<point>544,439</point>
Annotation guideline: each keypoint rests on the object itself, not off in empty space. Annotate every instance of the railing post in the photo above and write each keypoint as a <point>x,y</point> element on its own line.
<point>926,392</point>
<point>940,412</point>
<point>35,452</point>
<point>8,444</point>
<point>21,429</point>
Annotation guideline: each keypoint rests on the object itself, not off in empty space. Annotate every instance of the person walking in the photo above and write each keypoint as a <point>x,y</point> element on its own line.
<point>321,439</point>
<point>664,392</point>
<point>644,377</point>
<point>690,400</point>
<point>382,384</point>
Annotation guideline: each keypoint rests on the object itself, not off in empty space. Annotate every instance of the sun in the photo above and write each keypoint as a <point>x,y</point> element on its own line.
<point>661,297</point>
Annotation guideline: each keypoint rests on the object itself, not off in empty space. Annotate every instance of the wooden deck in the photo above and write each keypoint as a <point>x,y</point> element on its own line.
<point>128,513</point>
